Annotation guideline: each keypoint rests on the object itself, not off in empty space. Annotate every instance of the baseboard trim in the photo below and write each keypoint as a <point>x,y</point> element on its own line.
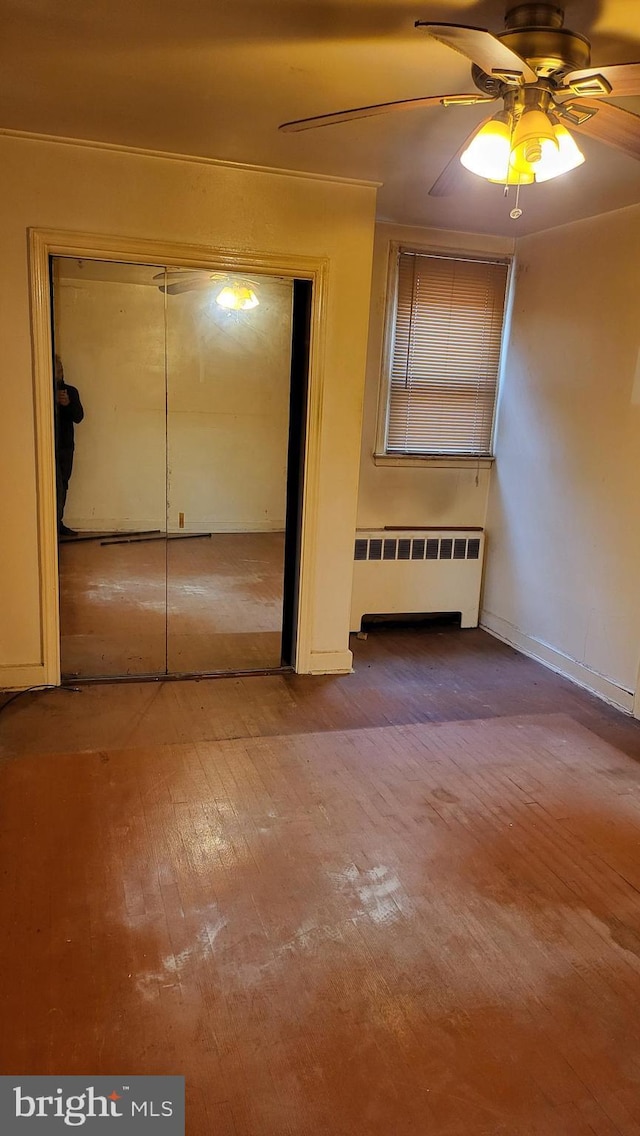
<point>557,661</point>
<point>217,528</point>
<point>328,662</point>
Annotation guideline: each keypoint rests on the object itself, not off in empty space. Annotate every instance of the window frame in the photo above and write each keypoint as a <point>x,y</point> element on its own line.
<point>381,455</point>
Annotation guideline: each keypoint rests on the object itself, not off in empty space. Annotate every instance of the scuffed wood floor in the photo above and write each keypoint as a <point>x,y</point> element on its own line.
<point>413,930</point>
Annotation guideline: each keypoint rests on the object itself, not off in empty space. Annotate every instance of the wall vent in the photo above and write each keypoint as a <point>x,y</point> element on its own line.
<point>417,549</point>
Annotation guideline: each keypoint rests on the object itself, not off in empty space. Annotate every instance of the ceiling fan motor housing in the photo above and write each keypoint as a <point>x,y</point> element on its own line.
<point>536,33</point>
<point>534,16</point>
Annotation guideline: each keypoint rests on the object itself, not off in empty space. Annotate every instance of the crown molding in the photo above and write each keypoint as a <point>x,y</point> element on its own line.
<point>168,155</point>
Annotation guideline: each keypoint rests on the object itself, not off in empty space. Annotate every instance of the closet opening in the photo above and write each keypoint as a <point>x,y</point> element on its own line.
<point>180,409</point>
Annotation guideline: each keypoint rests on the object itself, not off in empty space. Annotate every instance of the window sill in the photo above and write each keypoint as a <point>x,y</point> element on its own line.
<point>442,461</point>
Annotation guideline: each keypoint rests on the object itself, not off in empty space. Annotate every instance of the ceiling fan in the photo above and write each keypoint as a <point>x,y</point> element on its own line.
<point>539,74</point>
<point>173,281</point>
<point>233,294</point>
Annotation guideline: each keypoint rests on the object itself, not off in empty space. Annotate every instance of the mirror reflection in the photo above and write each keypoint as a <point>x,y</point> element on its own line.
<point>172,395</point>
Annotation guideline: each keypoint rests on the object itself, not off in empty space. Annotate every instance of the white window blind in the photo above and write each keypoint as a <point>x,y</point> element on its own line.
<point>446,354</point>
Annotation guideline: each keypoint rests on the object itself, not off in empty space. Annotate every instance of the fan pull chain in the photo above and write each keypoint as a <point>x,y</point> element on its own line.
<point>516,212</point>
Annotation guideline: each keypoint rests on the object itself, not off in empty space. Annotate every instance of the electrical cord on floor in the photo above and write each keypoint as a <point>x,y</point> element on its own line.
<point>34,690</point>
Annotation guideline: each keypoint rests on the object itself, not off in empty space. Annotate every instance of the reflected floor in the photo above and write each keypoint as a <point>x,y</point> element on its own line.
<point>207,604</point>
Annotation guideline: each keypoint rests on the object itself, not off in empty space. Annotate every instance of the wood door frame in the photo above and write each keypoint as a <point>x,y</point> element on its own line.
<point>46,243</point>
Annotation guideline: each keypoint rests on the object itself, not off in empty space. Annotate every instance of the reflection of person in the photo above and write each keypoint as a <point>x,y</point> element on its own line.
<point>68,412</point>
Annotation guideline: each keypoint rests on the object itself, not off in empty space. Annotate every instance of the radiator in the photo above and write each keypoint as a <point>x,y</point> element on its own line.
<point>417,571</point>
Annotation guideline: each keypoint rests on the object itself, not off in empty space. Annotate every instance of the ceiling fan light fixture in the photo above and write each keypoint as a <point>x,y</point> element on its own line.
<point>514,177</point>
<point>488,152</point>
<point>533,141</point>
<point>237,298</point>
<point>567,157</point>
<point>540,70</point>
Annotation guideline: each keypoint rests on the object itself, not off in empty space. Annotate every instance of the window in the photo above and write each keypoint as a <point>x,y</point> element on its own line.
<point>444,355</point>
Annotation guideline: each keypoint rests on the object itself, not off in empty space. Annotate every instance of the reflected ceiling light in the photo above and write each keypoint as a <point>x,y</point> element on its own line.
<point>237,298</point>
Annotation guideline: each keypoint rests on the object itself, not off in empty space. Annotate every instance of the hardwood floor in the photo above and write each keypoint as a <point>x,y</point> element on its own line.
<point>401,675</point>
<point>403,901</point>
<point>148,607</point>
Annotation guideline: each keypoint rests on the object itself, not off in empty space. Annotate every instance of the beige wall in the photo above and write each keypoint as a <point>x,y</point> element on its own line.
<point>409,495</point>
<point>221,453</point>
<point>564,512</point>
<point>108,191</point>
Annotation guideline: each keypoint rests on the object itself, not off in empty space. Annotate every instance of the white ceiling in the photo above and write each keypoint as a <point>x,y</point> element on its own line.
<point>216,77</point>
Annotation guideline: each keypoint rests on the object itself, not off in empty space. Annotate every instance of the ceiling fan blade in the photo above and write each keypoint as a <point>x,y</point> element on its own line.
<point>186,286</point>
<point>384,108</point>
<point>454,176</point>
<point>610,124</point>
<point>178,275</point>
<point>482,48</point>
<point>602,82</point>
